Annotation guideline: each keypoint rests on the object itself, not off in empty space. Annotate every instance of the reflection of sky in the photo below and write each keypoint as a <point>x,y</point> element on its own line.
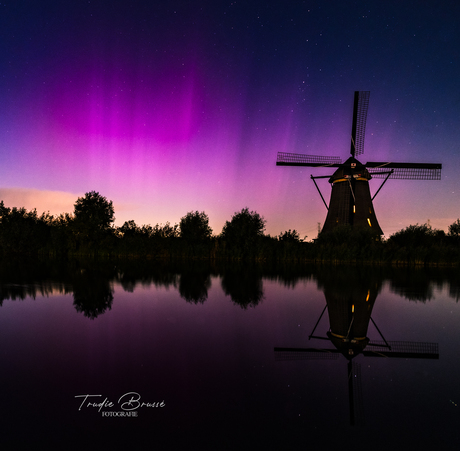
<point>213,364</point>
<point>183,106</point>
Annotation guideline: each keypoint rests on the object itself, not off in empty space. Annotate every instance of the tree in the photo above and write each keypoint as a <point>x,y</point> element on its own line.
<point>93,217</point>
<point>414,236</point>
<point>194,227</point>
<point>61,233</point>
<point>94,210</point>
<point>454,229</point>
<point>345,234</point>
<point>290,236</point>
<point>245,228</point>
<point>23,231</point>
<point>166,231</point>
<point>129,229</point>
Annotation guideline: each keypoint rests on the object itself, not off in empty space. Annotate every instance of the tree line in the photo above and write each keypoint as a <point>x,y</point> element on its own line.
<point>90,230</point>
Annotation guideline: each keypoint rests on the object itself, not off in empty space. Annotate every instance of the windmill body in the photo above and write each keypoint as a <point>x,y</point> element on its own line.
<point>351,201</point>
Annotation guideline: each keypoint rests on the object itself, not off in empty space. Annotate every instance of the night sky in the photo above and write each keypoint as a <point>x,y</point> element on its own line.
<point>166,107</point>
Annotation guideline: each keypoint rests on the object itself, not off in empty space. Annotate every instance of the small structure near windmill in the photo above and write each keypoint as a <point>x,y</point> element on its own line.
<point>351,201</point>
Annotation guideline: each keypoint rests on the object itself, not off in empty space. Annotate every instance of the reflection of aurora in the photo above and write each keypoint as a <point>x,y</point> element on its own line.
<point>350,298</point>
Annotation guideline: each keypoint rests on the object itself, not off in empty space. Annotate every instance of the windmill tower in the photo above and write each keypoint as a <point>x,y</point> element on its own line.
<point>351,201</point>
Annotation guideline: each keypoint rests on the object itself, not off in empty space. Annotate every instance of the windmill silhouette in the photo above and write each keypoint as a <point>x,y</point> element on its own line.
<point>351,201</point>
<point>350,307</point>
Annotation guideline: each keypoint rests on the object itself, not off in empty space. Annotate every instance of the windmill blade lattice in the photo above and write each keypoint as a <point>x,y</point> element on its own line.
<point>405,171</point>
<point>298,159</point>
<point>358,128</point>
<point>403,349</point>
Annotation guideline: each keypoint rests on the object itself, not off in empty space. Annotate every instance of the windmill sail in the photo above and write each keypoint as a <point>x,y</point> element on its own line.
<point>358,127</point>
<point>403,349</point>
<point>298,159</point>
<point>405,171</point>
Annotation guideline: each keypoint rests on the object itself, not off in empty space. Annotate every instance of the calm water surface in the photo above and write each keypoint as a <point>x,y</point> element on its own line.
<point>222,357</point>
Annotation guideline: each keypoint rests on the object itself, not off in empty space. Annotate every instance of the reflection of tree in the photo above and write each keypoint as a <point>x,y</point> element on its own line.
<point>134,272</point>
<point>92,293</point>
<point>20,278</point>
<point>244,286</point>
<point>415,284</point>
<point>194,286</point>
<point>15,291</point>
<point>91,280</point>
<point>454,290</point>
<point>289,273</point>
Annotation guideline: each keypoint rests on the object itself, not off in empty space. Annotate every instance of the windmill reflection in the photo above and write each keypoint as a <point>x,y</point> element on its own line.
<point>349,303</point>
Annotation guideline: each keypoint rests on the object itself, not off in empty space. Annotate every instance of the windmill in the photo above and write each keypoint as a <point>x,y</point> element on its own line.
<point>349,305</point>
<point>351,201</point>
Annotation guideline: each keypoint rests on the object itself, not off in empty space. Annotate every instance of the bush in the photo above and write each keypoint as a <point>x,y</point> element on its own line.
<point>194,227</point>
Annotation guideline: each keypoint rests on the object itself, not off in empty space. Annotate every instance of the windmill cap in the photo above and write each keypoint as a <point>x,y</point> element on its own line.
<point>349,348</point>
<point>351,168</point>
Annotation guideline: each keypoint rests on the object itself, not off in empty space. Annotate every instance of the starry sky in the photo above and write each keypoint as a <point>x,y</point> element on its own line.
<point>173,106</point>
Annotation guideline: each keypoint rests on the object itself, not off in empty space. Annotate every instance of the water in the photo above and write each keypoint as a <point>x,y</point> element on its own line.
<point>204,347</point>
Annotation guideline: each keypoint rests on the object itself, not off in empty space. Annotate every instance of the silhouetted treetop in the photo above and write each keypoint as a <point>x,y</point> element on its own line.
<point>289,236</point>
<point>454,229</point>
<point>244,228</point>
<point>416,235</point>
<point>94,210</point>
<point>23,231</point>
<point>194,227</point>
<point>129,229</point>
